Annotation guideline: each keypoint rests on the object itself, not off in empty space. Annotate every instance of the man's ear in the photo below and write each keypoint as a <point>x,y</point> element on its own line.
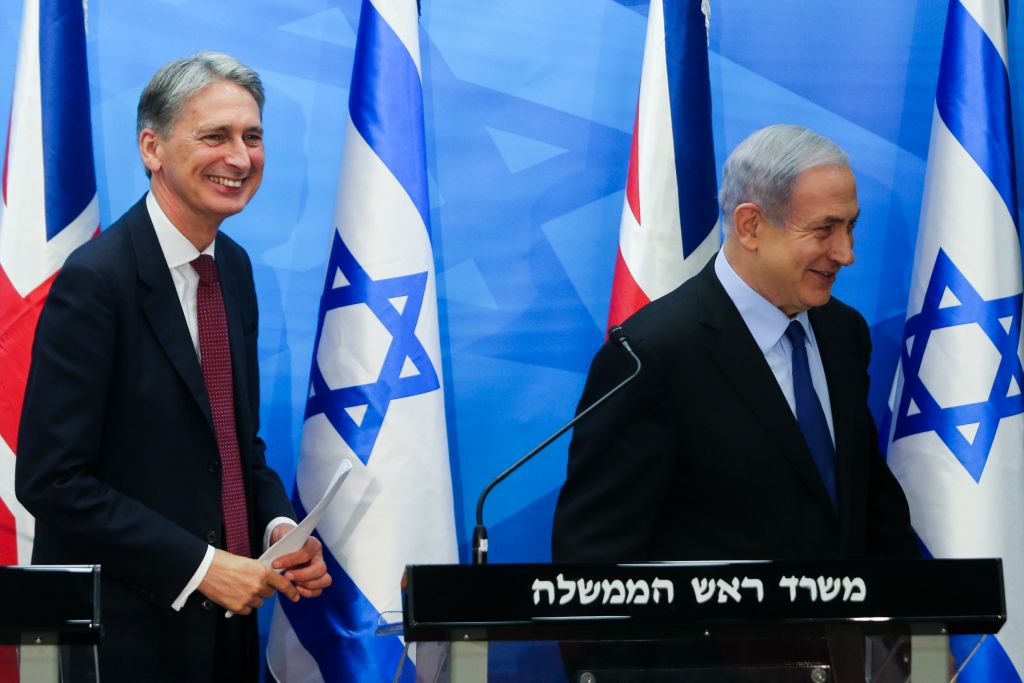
<point>151,150</point>
<point>747,223</point>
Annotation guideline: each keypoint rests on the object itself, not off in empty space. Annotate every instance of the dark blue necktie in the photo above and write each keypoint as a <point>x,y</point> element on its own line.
<point>809,414</point>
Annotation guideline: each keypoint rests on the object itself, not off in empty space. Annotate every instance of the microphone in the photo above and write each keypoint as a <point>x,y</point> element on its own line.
<point>480,531</point>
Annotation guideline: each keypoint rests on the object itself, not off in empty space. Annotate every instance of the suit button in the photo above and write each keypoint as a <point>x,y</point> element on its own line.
<point>208,605</point>
<point>212,467</point>
<point>211,537</point>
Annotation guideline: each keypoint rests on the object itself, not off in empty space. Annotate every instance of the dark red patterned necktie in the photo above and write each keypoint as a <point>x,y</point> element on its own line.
<point>215,353</point>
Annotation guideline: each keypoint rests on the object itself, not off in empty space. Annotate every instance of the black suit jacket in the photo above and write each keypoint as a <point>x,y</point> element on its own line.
<point>701,458</point>
<point>117,457</point>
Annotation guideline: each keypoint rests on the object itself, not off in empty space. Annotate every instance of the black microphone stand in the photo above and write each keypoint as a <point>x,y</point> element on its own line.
<point>480,531</point>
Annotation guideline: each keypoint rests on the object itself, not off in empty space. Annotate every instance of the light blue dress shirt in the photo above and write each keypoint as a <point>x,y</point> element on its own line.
<point>768,326</point>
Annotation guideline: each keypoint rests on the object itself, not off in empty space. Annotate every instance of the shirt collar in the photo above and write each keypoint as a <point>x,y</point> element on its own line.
<point>766,323</point>
<point>176,248</point>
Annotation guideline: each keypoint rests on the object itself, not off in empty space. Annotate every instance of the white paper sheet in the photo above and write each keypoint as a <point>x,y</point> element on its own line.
<point>296,538</point>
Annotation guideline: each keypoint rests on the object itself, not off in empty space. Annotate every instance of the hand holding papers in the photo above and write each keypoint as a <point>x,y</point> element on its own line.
<point>296,538</point>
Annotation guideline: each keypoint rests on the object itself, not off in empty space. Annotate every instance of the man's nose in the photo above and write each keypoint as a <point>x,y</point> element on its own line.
<point>238,155</point>
<point>842,248</point>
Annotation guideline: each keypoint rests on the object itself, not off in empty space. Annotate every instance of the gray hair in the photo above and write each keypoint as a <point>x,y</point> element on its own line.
<point>165,95</point>
<point>764,168</point>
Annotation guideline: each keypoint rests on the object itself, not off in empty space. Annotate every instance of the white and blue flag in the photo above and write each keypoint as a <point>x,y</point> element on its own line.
<point>375,391</point>
<point>956,439</point>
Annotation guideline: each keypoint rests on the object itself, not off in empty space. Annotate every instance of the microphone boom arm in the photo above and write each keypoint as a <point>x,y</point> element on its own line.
<point>480,531</point>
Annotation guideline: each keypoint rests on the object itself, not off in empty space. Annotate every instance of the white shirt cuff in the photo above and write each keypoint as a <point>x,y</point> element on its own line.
<point>204,566</point>
<point>197,579</point>
<point>270,527</point>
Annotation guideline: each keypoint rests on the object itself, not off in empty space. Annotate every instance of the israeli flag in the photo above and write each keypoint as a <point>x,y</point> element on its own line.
<point>956,438</point>
<point>375,391</point>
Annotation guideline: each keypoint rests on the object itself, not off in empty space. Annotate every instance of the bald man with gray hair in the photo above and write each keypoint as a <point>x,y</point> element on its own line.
<point>747,433</point>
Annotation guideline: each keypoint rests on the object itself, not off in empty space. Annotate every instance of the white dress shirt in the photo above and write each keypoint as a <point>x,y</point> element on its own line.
<point>768,326</point>
<point>179,254</point>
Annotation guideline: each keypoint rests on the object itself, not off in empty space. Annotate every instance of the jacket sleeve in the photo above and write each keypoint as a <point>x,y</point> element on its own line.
<point>60,444</point>
<point>888,533</point>
<point>268,497</point>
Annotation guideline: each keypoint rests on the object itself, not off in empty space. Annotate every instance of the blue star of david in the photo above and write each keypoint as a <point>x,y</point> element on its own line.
<point>390,384</point>
<point>972,309</point>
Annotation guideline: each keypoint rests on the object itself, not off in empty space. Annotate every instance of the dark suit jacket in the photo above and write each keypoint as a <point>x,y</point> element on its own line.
<point>701,458</point>
<point>117,457</point>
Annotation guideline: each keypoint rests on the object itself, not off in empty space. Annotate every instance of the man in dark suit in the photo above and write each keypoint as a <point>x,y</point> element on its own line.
<point>747,434</point>
<point>139,446</point>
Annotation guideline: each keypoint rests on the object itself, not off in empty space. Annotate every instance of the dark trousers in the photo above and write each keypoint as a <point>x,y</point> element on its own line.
<point>237,658</point>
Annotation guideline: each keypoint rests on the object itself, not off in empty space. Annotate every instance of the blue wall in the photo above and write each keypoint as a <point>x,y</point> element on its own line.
<point>529,109</point>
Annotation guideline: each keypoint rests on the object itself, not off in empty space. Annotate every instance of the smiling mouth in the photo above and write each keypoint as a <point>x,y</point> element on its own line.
<point>829,275</point>
<point>226,182</point>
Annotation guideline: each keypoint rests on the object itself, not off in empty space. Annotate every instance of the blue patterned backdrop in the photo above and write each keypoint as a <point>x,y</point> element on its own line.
<point>529,108</point>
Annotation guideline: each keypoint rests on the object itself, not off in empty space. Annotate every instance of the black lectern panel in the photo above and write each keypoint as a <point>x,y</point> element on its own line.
<point>670,601</point>
<point>50,605</point>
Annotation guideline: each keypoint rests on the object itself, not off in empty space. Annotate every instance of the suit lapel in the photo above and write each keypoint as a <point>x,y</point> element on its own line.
<point>743,365</point>
<point>162,308</point>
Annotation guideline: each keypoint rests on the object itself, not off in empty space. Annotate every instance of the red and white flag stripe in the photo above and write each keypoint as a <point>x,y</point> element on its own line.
<point>49,208</point>
<point>653,259</point>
